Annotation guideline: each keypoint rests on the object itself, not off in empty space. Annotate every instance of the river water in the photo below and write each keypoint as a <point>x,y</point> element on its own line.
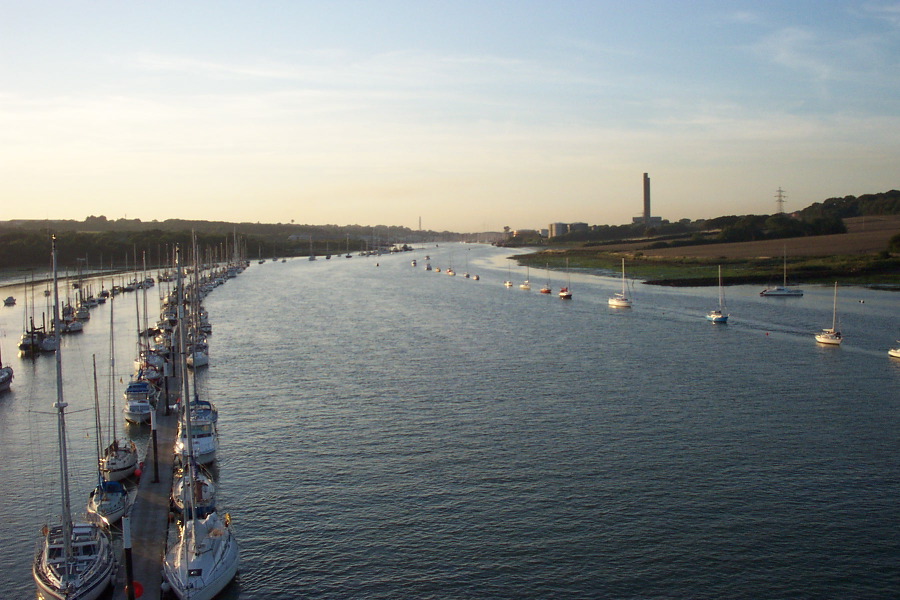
<point>388,432</point>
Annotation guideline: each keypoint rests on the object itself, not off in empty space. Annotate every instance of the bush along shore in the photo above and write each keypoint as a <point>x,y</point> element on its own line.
<point>878,270</point>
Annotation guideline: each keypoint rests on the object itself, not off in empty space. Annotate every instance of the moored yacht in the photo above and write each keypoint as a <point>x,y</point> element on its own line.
<point>140,397</point>
<point>621,299</point>
<point>831,336</point>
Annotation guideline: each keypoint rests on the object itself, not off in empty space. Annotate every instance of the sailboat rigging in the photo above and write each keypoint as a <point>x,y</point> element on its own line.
<point>621,299</point>
<point>831,336</point>
<point>75,560</point>
<point>718,315</point>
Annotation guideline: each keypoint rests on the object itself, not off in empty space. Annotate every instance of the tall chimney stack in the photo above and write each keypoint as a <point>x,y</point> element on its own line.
<point>646,199</point>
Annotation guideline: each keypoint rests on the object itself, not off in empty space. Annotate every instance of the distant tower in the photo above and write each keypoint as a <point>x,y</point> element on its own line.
<point>779,200</point>
<point>646,199</point>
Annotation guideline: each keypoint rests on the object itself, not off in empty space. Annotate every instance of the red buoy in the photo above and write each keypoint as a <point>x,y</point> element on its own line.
<point>138,589</point>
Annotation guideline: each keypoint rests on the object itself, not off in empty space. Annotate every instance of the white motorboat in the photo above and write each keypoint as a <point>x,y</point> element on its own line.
<point>74,560</point>
<point>895,352</point>
<point>621,299</point>
<point>718,315</point>
<point>831,336</point>
<point>140,397</point>
<point>204,441</point>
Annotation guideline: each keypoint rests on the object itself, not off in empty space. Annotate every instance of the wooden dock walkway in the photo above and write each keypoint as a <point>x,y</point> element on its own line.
<point>150,511</point>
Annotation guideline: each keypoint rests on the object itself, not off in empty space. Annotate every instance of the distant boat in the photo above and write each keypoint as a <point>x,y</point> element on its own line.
<point>718,315</point>
<point>831,336</point>
<point>508,283</point>
<point>895,352</point>
<point>566,292</point>
<point>621,299</point>
<point>782,290</point>
<point>525,285</point>
<point>546,288</point>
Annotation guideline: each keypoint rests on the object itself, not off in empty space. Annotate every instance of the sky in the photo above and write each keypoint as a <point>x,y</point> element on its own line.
<point>468,115</point>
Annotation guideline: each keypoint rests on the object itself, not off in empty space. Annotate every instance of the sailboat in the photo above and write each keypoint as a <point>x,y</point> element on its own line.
<point>566,292</point>
<point>546,288</point>
<point>109,500</point>
<point>508,283</point>
<point>119,459</point>
<point>204,490</point>
<point>621,299</point>
<point>312,255</point>
<point>782,290</point>
<point>205,555</point>
<point>718,315</point>
<point>831,336</point>
<point>75,560</point>
<point>526,285</point>
<point>6,376</point>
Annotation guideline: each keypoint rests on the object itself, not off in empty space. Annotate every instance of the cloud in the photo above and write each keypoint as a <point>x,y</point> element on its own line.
<point>797,49</point>
<point>885,12</point>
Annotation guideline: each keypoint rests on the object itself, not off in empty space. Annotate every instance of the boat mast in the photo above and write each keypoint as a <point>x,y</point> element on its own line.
<point>785,267</point>
<point>111,397</point>
<point>721,291</point>
<point>60,407</point>
<point>185,407</point>
<point>99,427</point>
<point>834,311</point>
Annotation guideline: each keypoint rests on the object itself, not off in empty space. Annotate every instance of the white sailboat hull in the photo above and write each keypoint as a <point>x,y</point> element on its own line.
<point>202,575</point>
<point>830,337</point>
<point>93,571</point>
<point>781,291</point>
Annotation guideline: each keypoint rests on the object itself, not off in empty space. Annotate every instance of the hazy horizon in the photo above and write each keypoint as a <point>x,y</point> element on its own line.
<point>471,116</point>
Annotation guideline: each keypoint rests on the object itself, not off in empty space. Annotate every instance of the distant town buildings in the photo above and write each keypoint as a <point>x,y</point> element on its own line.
<point>647,219</point>
<point>558,229</point>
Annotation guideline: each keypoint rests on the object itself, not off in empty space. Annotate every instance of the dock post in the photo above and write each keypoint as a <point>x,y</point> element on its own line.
<point>167,372</point>
<point>129,571</point>
<point>155,446</point>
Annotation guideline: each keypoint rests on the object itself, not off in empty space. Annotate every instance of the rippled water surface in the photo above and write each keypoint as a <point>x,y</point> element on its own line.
<point>388,432</point>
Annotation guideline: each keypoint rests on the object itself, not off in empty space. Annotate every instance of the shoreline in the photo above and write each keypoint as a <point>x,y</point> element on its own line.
<point>876,271</point>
